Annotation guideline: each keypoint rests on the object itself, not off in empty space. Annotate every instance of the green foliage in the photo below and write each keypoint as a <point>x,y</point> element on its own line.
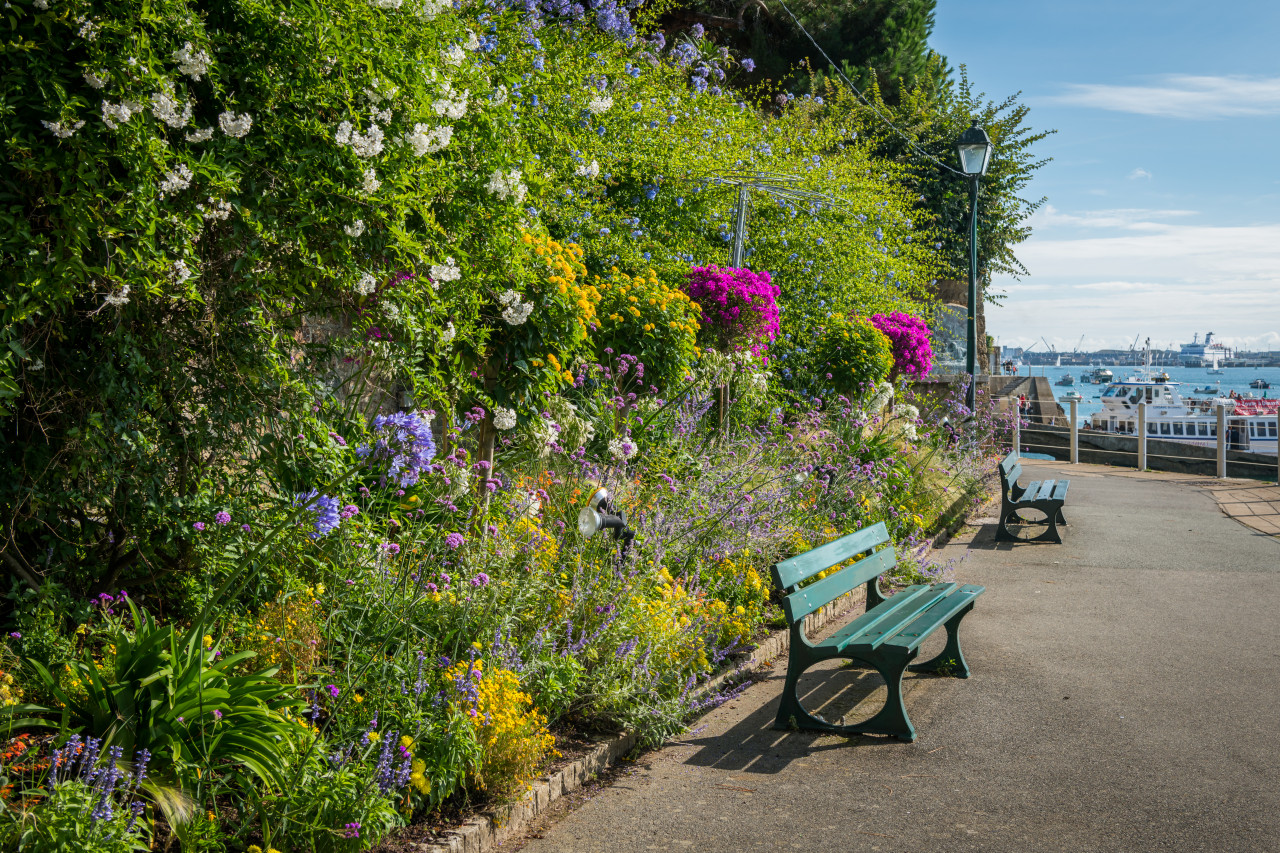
<point>932,122</point>
<point>881,40</point>
<point>171,693</point>
<point>851,356</point>
<point>66,820</point>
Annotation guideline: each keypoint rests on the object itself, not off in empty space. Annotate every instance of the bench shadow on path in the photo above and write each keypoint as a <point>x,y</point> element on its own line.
<point>985,538</point>
<point>752,745</point>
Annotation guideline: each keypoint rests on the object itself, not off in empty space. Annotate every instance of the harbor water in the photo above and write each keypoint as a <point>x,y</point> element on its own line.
<point>1189,378</point>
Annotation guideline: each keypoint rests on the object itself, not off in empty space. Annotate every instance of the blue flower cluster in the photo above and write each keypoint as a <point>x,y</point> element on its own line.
<point>78,761</point>
<point>325,509</point>
<point>405,443</point>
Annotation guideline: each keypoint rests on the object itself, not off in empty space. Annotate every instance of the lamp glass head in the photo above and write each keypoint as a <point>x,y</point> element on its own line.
<point>588,522</point>
<point>974,148</point>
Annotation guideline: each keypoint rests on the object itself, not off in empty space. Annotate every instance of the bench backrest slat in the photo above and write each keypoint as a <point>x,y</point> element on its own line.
<point>802,602</point>
<point>788,573</point>
<point>1010,470</point>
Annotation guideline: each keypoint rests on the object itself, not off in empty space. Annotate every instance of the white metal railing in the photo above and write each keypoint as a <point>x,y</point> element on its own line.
<point>1222,439</point>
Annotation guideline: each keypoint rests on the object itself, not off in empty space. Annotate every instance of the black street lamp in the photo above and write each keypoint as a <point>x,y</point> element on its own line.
<point>974,148</point>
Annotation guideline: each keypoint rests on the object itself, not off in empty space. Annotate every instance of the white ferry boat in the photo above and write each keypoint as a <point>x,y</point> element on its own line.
<point>1197,354</point>
<point>1251,422</point>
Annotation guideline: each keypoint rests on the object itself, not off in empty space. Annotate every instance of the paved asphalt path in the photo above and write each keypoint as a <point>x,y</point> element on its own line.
<point>1125,697</point>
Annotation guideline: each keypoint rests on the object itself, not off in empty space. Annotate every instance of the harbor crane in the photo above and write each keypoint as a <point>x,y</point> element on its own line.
<point>1077,349</point>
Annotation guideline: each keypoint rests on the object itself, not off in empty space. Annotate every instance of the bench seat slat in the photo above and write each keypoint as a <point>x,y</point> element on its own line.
<point>872,628</point>
<point>875,635</point>
<point>788,573</point>
<point>806,600</point>
<point>915,632</point>
<point>1060,491</point>
<point>1045,492</point>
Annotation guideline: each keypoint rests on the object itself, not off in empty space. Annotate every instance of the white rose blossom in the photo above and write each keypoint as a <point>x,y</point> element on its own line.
<point>180,272</point>
<point>389,5</point>
<point>503,418</point>
<point>365,145</point>
<point>217,210</point>
<point>63,130</point>
<point>499,95</point>
<point>176,181</point>
<point>97,81</point>
<point>588,170</point>
<point>371,182</point>
<point>472,42</point>
<point>42,5</point>
<point>448,271</point>
<point>200,135</point>
<point>192,61</point>
<point>88,31</point>
<point>120,297</point>
<point>448,333</point>
<point>507,185</point>
<point>355,229</point>
<point>117,114</point>
<point>428,140</point>
<point>366,285</point>
<point>235,125</point>
<point>451,104</point>
<point>600,104</point>
<point>165,107</point>
<point>514,310</point>
<point>453,55</point>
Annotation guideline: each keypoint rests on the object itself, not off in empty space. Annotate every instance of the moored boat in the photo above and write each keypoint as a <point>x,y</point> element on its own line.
<point>1251,423</point>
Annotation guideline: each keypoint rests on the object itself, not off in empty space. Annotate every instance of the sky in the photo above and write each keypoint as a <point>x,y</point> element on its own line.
<point>1162,217</point>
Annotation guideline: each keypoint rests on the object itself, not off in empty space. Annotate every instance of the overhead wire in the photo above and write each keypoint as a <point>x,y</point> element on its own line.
<point>905,138</point>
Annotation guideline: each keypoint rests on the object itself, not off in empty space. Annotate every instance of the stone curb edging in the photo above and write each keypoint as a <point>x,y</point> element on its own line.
<point>484,832</point>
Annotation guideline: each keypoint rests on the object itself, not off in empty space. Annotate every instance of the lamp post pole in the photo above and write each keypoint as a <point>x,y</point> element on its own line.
<point>971,354</point>
<point>974,148</point>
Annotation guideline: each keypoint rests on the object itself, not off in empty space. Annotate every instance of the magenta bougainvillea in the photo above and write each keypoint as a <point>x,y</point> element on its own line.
<point>739,307</point>
<point>912,354</point>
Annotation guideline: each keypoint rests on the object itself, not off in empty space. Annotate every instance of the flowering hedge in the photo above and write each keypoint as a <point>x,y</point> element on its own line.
<point>739,307</point>
<point>912,354</point>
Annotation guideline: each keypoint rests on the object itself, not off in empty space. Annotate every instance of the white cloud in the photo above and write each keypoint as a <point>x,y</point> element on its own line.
<point>1142,275</point>
<point>1139,173</point>
<point>1181,96</point>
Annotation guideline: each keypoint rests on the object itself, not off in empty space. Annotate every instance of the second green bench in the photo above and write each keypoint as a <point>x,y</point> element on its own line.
<point>886,637</point>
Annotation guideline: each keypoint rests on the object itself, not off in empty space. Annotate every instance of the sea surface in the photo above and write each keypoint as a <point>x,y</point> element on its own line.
<point>1189,378</point>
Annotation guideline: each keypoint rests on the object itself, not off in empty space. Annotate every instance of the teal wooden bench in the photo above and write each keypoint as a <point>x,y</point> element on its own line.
<point>1046,496</point>
<point>886,637</point>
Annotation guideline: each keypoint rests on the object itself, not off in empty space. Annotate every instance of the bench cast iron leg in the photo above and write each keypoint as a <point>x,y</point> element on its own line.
<point>951,658</point>
<point>892,719</point>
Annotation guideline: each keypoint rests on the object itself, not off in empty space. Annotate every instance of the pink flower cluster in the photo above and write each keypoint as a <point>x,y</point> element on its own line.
<point>739,307</point>
<point>912,354</point>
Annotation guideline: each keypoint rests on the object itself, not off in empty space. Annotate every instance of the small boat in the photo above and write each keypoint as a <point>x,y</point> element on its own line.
<point>1259,383</point>
<point>1067,379</point>
<point>1162,376</point>
<point>1216,389</point>
<point>1100,376</point>
<point>1215,370</point>
<point>1072,397</point>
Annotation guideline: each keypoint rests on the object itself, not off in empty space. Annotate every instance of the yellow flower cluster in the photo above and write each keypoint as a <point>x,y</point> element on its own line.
<point>512,733</point>
<point>565,272</point>
<point>9,694</point>
<point>287,633</point>
<point>647,299</point>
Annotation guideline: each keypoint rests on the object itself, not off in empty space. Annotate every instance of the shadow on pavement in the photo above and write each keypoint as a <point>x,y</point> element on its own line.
<point>828,690</point>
